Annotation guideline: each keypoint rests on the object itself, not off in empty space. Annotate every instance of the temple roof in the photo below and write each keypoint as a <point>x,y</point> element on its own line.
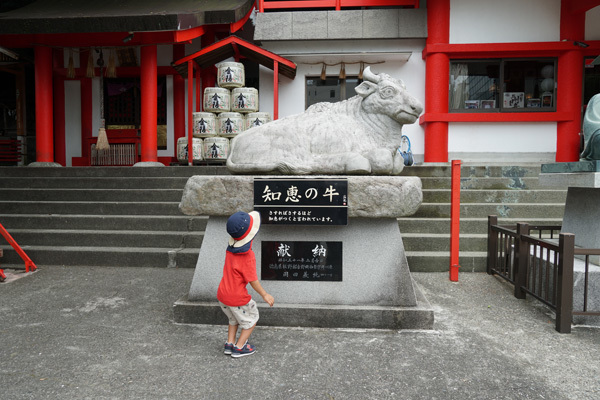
<point>85,16</point>
<point>231,47</point>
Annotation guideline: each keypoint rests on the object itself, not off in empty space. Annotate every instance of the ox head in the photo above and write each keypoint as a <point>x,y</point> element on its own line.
<point>383,94</point>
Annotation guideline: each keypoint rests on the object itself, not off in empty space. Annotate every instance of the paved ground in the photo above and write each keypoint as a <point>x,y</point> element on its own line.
<point>107,333</point>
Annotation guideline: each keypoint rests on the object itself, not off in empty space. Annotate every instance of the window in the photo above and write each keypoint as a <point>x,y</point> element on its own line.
<point>329,90</point>
<point>506,85</point>
<point>122,102</point>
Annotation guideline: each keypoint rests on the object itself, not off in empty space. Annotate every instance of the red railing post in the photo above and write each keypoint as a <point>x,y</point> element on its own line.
<point>29,265</point>
<point>455,220</point>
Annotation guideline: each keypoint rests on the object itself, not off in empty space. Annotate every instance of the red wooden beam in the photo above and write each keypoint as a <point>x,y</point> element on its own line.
<point>44,104</point>
<point>148,80</point>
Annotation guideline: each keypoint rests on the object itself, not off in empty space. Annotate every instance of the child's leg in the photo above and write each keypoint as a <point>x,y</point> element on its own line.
<point>231,333</point>
<point>244,336</point>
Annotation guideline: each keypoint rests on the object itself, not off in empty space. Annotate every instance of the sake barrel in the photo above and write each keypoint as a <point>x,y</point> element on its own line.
<point>182,149</point>
<point>244,100</point>
<point>205,124</point>
<point>217,99</point>
<point>231,75</point>
<point>229,124</point>
<point>216,149</point>
<point>257,119</point>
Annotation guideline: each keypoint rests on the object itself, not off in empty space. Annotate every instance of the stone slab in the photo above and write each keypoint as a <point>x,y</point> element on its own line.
<point>582,216</point>
<point>320,316</point>
<point>368,196</point>
<point>579,166</point>
<point>570,179</point>
<point>375,270</point>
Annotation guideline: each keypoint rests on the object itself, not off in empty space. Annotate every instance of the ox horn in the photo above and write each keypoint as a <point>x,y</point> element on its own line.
<point>369,76</point>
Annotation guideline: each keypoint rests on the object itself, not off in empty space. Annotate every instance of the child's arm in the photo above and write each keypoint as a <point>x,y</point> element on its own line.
<point>259,289</point>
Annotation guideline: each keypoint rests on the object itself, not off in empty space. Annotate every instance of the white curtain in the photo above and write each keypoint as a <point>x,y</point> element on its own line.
<point>459,85</point>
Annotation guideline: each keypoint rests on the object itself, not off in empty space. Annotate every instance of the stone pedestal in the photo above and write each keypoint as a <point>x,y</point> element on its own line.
<point>581,218</point>
<point>377,290</point>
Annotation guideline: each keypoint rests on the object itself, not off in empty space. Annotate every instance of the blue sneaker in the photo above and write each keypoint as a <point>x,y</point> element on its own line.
<point>246,350</point>
<point>228,348</point>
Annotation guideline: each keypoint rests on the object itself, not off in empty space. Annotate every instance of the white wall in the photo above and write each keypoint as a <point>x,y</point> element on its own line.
<point>592,27</point>
<point>72,120</point>
<point>503,141</point>
<point>292,96</point>
<point>495,21</point>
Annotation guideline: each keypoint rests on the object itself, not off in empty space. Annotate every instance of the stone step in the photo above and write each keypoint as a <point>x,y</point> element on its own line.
<point>431,261</point>
<point>475,170</point>
<point>104,222</point>
<point>467,225</point>
<point>107,238</point>
<point>102,256</point>
<point>419,242</point>
<point>496,196</point>
<point>94,182</point>
<point>112,172</point>
<point>492,183</point>
<point>513,210</point>
<point>96,195</point>
<point>90,208</point>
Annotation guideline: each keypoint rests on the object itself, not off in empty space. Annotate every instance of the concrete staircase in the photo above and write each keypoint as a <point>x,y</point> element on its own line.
<point>107,216</point>
<point>509,191</point>
<point>112,216</point>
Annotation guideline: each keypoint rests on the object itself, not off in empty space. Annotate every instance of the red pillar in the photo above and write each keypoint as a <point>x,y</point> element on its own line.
<point>568,100</point>
<point>437,78</point>
<point>44,142</point>
<point>178,98</point>
<point>570,85</point>
<point>148,82</point>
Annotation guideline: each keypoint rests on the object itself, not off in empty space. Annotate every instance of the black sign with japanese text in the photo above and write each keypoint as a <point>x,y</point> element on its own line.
<point>302,201</point>
<point>301,261</point>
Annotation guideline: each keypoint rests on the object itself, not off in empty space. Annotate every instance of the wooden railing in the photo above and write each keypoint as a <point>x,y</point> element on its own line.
<point>334,4</point>
<point>542,267</point>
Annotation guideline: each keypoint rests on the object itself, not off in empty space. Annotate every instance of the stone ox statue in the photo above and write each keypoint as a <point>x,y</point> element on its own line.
<point>360,135</point>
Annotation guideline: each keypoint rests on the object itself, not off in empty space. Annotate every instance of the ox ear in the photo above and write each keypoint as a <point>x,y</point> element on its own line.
<point>366,88</point>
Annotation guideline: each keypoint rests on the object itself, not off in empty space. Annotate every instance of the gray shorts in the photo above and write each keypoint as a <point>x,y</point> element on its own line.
<point>244,316</point>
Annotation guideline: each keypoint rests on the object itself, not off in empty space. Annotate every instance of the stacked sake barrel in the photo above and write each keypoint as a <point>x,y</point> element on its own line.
<point>229,109</point>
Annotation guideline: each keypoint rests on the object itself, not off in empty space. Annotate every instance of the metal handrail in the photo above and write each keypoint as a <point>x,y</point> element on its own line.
<point>29,265</point>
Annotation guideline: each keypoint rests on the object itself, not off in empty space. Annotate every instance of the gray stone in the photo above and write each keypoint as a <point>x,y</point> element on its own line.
<point>271,26</point>
<point>579,166</point>
<point>345,24</point>
<point>148,164</point>
<point>43,164</point>
<point>309,24</point>
<point>368,196</point>
<point>574,179</point>
<point>371,277</point>
<point>412,23</point>
<point>582,213</point>
<point>320,316</point>
<point>380,24</point>
<point>360,135</point>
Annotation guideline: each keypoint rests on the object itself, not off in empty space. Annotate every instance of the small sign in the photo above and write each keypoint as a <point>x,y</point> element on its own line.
<point>301,261</point>
<point>302,201</point>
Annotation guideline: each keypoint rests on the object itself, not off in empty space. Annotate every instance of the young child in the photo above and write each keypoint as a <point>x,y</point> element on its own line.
<point>239,270</point>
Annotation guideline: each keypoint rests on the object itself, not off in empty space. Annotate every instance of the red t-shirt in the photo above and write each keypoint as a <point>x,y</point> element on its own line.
<point>239,269</point>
